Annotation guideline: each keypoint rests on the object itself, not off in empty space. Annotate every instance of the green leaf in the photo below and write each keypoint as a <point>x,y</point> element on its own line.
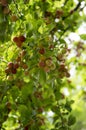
<point>42,76</point>
<point>28,89</point>
<point>40,30</point>
<point>71,120</point>
<point>25,114</point>
<point>83,36</point>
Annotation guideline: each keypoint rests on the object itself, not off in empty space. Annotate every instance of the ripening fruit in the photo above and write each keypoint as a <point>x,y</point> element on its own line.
<point>49,62</point>
<point>16,65</point>
<point>46,69</point>
<point>18,59</point>
<point>26,127</point>
<point>60,57</point>
<point>6,10</point>
<point>7,70</point>
<point>14,71</point>
<point>19,44</point>
<point>10,65</point>
<point>59,13</point>
<point>42,50</point>
<point>3,2</point>
<point>53,67</point>
<point>47,14</point>
<point>14,18</point>
<point>40,109</point>
<point>62,66</point>
<point>38,94</point>
<point>67,74</point>
<point>42,64</point>
<point>72,11</point>
<point>26,73</point>
<point>21,38</point>
<point>24,66</point>
<point>15,39</point>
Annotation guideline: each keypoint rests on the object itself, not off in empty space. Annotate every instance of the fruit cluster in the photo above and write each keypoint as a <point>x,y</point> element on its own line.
<point>47,64</point>
<point>63,71</point>
<point>13,66</point>
<point>5,8</point>
<point>19,40</point>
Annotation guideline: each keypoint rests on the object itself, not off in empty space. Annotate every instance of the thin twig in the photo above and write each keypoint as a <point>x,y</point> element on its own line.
<point>65,2</point>
<point>63,33</point>
<point>72,11</point>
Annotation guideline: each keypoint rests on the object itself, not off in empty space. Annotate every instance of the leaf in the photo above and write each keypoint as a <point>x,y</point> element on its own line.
<point>28,89</point>
<point>42,76</point>
<point>68,105</point>
<point>40,30</point>
<point>71,120</point>
<point>83,36</point>
<point>24,114</point>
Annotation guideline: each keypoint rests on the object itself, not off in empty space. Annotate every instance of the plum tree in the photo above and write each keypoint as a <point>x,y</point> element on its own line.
<point>34,65</point>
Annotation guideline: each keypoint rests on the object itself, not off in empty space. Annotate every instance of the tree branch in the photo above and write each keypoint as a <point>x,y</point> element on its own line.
<point>72,11</point>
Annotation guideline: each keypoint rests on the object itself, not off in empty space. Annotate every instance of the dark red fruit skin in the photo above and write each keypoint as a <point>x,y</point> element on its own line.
<point>18,59</point>
<point>16,66</point>
<point>14,71</point>
<point>62,66</point>
<point>26,128</point>
<point>21,38</point>
<point>42,64</point>
<point>59,13</point>
<point>10,65</point>
<point>15,39</point>
<point>42,51</point>
<point>72,11</point>
<point>24,66</point>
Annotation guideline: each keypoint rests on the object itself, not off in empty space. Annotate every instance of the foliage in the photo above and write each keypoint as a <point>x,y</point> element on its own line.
<point>34,68</point>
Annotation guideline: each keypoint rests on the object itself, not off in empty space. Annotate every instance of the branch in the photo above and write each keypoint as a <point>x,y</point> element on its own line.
<point>83,7</point>
<point>65,2</point>
<point>72,11</point>
<point>63,33</point>
<point>76,8</point>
